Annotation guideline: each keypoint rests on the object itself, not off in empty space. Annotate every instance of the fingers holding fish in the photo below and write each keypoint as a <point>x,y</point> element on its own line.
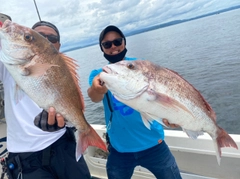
<point>54,118</point>
<point>98,85</point>
<point>165,121</point>
<point>51,116</point>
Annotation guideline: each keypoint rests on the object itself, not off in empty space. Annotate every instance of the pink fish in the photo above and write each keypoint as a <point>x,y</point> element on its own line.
<point>157,93</point>
<point>48,77</point>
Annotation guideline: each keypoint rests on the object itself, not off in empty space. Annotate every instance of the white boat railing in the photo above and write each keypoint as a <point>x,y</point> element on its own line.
<point>196,158</point>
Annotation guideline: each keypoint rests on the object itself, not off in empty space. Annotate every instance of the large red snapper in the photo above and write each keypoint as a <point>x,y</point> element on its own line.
<point>157,93</point>
<point>48,77</point>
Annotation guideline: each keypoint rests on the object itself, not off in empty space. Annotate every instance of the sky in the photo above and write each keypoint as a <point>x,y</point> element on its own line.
<point>81,21</point>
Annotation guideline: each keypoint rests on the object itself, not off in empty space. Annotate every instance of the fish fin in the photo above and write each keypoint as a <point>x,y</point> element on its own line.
<point>90,138</point>
<point>80,146</point>
<point>18,94</point>
<point>218,151</point>
<point>148,118</point>
<point>223,140</point>
<point>152,95</point>
<point>35,67</point>
<point>72,66</point>
<point>193,134</point>
<point>145,120</point>
<point>167,101</point>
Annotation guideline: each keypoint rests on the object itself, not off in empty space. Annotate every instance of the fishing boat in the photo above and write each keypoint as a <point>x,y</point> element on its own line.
<point>196,158</point>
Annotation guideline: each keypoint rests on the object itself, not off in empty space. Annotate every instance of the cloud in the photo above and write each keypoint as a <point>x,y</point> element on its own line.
<point>82,21</point>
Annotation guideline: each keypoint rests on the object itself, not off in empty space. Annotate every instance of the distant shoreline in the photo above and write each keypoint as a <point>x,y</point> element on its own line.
<point>135,32</point>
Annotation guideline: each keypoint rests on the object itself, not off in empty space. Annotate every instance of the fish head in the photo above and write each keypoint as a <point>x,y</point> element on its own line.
<point>125,79</point>
<point>20,44</point>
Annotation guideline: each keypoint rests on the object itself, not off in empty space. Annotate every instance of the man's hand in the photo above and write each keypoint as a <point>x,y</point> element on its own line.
<point>98,85</point>
<point>97,91</point>
<point>49,121</point>
<point>165,121</point>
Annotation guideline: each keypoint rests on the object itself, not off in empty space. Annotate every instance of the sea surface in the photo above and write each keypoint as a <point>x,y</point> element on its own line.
<point>206,52</point>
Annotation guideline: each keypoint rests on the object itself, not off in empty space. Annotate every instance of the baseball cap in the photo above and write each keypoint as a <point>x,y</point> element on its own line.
<point>45,23</point>
<point>108,29</point>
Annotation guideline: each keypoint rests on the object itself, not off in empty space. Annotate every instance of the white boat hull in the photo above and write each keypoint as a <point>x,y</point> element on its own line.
<point>195,158</point>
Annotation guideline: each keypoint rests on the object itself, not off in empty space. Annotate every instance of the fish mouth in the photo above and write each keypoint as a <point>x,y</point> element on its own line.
<point>105,69</point>
<point>5,24</point>
<point>4,28</point>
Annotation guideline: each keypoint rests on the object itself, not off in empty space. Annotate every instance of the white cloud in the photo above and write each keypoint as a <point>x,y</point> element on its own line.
<point>82,20</point>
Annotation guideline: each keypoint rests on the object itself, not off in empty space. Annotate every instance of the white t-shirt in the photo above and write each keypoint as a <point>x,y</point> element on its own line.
<point>22,134</point>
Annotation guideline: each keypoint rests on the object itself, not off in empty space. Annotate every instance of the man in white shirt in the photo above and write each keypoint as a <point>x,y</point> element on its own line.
<point>33,152</point>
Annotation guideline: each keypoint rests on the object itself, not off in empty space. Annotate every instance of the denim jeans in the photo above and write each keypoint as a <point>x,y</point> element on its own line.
<point>158,159</point>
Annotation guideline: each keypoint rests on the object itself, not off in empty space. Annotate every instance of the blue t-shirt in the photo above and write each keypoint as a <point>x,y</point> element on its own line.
<point>127,131</point>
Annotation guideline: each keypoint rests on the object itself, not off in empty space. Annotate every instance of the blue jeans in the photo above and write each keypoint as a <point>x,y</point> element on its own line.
<point>158,159</point>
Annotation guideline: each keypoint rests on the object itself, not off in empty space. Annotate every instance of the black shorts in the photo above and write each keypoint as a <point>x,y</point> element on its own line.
<point>55,162</point>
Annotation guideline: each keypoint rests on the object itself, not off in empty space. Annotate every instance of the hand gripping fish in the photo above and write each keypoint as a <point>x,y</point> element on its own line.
<point>48,77</point>
<point>158,93</point>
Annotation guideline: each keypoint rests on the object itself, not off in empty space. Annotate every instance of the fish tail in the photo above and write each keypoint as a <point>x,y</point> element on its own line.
<point>223,140</point>
<point>90,138</point>
<point>218,151</point>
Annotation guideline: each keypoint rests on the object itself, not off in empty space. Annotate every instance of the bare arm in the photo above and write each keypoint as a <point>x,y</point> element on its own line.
<point>97,90</point>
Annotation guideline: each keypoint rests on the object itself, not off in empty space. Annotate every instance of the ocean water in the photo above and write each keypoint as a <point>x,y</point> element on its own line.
<point>204,51</point>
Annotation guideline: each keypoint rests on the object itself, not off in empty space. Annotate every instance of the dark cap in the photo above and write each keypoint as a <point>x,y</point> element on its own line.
<point>45,23</point>
<point>108,29</point>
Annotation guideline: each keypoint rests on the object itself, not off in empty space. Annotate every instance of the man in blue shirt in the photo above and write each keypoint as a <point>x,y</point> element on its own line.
<point>130,142</point>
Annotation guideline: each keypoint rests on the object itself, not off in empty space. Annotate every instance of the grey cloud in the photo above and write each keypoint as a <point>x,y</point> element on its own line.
<point>84,19</point>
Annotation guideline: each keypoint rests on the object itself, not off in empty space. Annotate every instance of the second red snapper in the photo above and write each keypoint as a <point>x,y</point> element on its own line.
<point>157,93</point>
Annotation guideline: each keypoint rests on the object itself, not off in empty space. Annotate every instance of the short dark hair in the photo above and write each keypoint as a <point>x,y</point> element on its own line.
<point>108,29</point>
<point>45,23</point>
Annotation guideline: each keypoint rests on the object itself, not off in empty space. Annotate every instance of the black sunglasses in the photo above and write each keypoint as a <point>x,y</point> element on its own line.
<point>116,42</point>
<point>51,38</point>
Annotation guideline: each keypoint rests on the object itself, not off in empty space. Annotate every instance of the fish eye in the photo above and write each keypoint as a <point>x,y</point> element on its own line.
<point>28,37</point>
<point>130,66</point>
